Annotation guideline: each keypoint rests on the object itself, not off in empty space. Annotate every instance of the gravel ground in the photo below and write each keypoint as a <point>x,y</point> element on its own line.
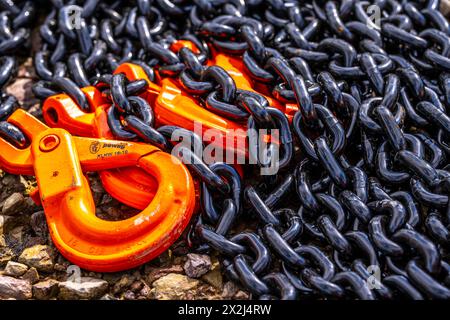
<point>32,268</point>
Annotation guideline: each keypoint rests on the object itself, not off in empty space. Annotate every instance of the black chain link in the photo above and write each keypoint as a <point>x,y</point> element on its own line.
<point>359,208</point>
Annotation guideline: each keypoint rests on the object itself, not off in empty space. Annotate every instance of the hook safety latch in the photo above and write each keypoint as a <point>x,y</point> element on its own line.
<point>58,161</point>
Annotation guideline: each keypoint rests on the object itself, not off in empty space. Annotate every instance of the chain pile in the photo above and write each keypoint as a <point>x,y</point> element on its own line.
<point>360,206</point>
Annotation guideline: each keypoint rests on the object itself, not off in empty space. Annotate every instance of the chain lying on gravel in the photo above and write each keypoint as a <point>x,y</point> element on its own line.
<point>15,22</point>
<point>366,154</point>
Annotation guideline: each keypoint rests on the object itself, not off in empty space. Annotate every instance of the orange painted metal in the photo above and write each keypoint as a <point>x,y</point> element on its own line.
<point>58,161</point>
<point>173,106</point>
<point>178,44</point>
<point>235,68</point>
<point>61,111</point>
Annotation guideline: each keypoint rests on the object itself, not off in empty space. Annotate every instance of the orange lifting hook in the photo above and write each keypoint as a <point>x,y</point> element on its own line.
<point>138,189</point>
<point>61,111</point>
<point>173,106</point>
<point>234,67</point>
<point>58,160</point>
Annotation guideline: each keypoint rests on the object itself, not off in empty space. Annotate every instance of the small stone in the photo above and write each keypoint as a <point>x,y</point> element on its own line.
<point>15,269</point>
<point>173,286</point>
<point>124,282</point>
<point>13,204</point>
<point>6,254</point>
<point>30,206</point>
<point>26,69</point>
<point>197,265</point>
<point>136,286</point>
<point>60,267</point>
<point>214,277</point>
<point>108,297</point>
<point>14,288</point>
<point>46,289</point>
<point>17,234</point>
<point>38,256</point>
<point>3,221</point>
<point>229,290</point>
<point>156,273</point>
<point>129,295</point>
<point>9,223</point>
<point>145,292</point>
<point>39,224</point>
<point>31,275</point>
<point>21,89</point>
<point>445,7</point>
<point>241,295</point>
<point>87,288</point>
<point>10,180</point>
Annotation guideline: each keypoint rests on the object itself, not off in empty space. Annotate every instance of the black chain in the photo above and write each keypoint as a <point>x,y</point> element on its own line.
<point>365,155</point>
<point>15,22</point>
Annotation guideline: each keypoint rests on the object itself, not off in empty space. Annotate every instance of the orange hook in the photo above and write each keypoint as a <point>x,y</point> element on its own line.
<point>173,106</point>
<point>61,111</point>
<point>58,160</point>
<point>234,67</point>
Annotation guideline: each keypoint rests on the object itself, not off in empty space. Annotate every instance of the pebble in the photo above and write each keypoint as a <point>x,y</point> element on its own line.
<point>6,254</point>
<point>15,269</point>
<point>14,288</point>
<point>11,180</point>
<point>3,223</point>
<point>32,275</point>
<point>39,257</point>
<point>39,224</point>
<point>241,295</point>
<point>214,276</point>
<point>145,292</point>
<point>229,290</point>
<point>8,223</point>
<point>87,288</point>
<point>156,273</point>
<point>45,290</point>
<point>173,286</point>
<point>445,7</point>
<point>21,89</point>
<point>197,265</point>
<point>13,204</point>
<point>124,282</point>
<point>129,295</point>
<point>136,286</point>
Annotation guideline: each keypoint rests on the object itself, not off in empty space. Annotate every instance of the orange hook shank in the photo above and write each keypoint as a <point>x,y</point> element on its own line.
<point>61,111</point>
<point>234,66</point>
<point>173,106</point>
<point>58,160</point>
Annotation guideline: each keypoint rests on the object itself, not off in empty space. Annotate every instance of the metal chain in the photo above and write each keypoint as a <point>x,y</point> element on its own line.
<point>365,155</point>
<point>15,21</point>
